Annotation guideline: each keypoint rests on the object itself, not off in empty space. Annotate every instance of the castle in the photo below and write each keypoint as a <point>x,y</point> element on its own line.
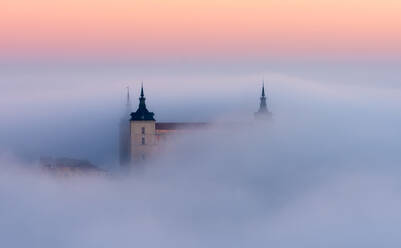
<point>140,135</point>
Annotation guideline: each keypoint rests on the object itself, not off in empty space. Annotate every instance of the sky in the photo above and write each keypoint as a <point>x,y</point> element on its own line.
<point>154,30</point>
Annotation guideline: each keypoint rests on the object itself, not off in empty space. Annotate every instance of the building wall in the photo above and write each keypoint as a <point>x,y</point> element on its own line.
<point>142,144</point>
<point>155,136</point>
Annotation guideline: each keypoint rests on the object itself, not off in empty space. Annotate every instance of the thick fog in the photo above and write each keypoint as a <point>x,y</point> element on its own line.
<point>323,173</point>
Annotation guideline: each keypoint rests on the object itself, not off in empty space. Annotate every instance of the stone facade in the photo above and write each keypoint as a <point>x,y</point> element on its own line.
<point>143,140</point>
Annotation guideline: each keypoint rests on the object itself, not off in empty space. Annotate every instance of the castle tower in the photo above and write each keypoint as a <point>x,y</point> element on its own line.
<point>143,132</point>
<point>124,139</point>
<point>263,113</point>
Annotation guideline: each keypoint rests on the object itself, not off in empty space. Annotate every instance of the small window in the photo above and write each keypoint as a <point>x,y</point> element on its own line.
<point>143,141</point>
<point>143,130</point>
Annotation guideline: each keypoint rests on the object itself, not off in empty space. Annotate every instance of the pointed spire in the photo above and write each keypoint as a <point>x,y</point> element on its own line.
<point>263,89</point>
<point>128,97</point>
<point>142,113</point>
<point>127,104</point>
<point>263,111</point>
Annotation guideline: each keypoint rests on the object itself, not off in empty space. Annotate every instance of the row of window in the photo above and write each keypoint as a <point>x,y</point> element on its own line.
<point>143,138</point>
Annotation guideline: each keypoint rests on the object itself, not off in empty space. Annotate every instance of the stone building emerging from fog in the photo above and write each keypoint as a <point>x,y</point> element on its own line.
<point>141,135</point>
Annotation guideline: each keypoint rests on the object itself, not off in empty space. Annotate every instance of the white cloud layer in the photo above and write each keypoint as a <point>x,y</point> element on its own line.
<point>280,186</point>
<point>324,173</point>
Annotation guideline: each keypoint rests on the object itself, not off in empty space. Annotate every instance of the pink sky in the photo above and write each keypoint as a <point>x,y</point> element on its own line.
<point>157,29</point>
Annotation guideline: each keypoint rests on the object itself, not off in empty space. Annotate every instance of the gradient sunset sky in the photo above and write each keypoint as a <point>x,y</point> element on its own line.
<point>204,29</point>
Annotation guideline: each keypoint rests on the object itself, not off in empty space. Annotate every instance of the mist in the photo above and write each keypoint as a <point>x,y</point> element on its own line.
<point>323,173</point>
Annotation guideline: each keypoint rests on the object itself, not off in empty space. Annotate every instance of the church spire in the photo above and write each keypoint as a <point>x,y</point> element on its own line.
<point>263,112</point>
<point>128,103</point>
<point>142,112</point>
<point>263,105</point>
<point>263,89</point>
<point>142,95</point>
<point>142,99</point>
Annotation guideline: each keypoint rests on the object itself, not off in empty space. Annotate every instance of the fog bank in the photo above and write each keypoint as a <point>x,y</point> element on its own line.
<point>324,173</point>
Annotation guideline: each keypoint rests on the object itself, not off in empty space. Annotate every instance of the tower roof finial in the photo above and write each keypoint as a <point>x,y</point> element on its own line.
<point>263,88</point>
<point>142,113</point>
<point>263,112</point>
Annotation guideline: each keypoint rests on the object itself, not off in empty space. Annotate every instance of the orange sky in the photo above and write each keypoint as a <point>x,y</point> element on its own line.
<point>199,28</point>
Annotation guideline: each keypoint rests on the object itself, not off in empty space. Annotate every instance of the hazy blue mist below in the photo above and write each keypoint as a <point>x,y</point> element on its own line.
<point>324,173</point>
<point>73,109</point>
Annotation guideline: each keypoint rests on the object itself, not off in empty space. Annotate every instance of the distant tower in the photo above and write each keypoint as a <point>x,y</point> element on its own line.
<point>263,113</point>
<point>124,144</point>
<point>143,132</point>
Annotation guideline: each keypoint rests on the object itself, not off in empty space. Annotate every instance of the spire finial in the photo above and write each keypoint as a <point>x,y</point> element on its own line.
<point>263,112</point>
<point>142,113</point>
<point>263,88</point>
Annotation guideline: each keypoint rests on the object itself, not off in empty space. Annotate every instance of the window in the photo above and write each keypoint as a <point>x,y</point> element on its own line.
<point>143,130</point>
<point>143,141</point>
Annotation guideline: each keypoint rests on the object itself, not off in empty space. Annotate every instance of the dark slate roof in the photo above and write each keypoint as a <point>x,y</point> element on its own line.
<point>142,113</point>
<point>181,125</point>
